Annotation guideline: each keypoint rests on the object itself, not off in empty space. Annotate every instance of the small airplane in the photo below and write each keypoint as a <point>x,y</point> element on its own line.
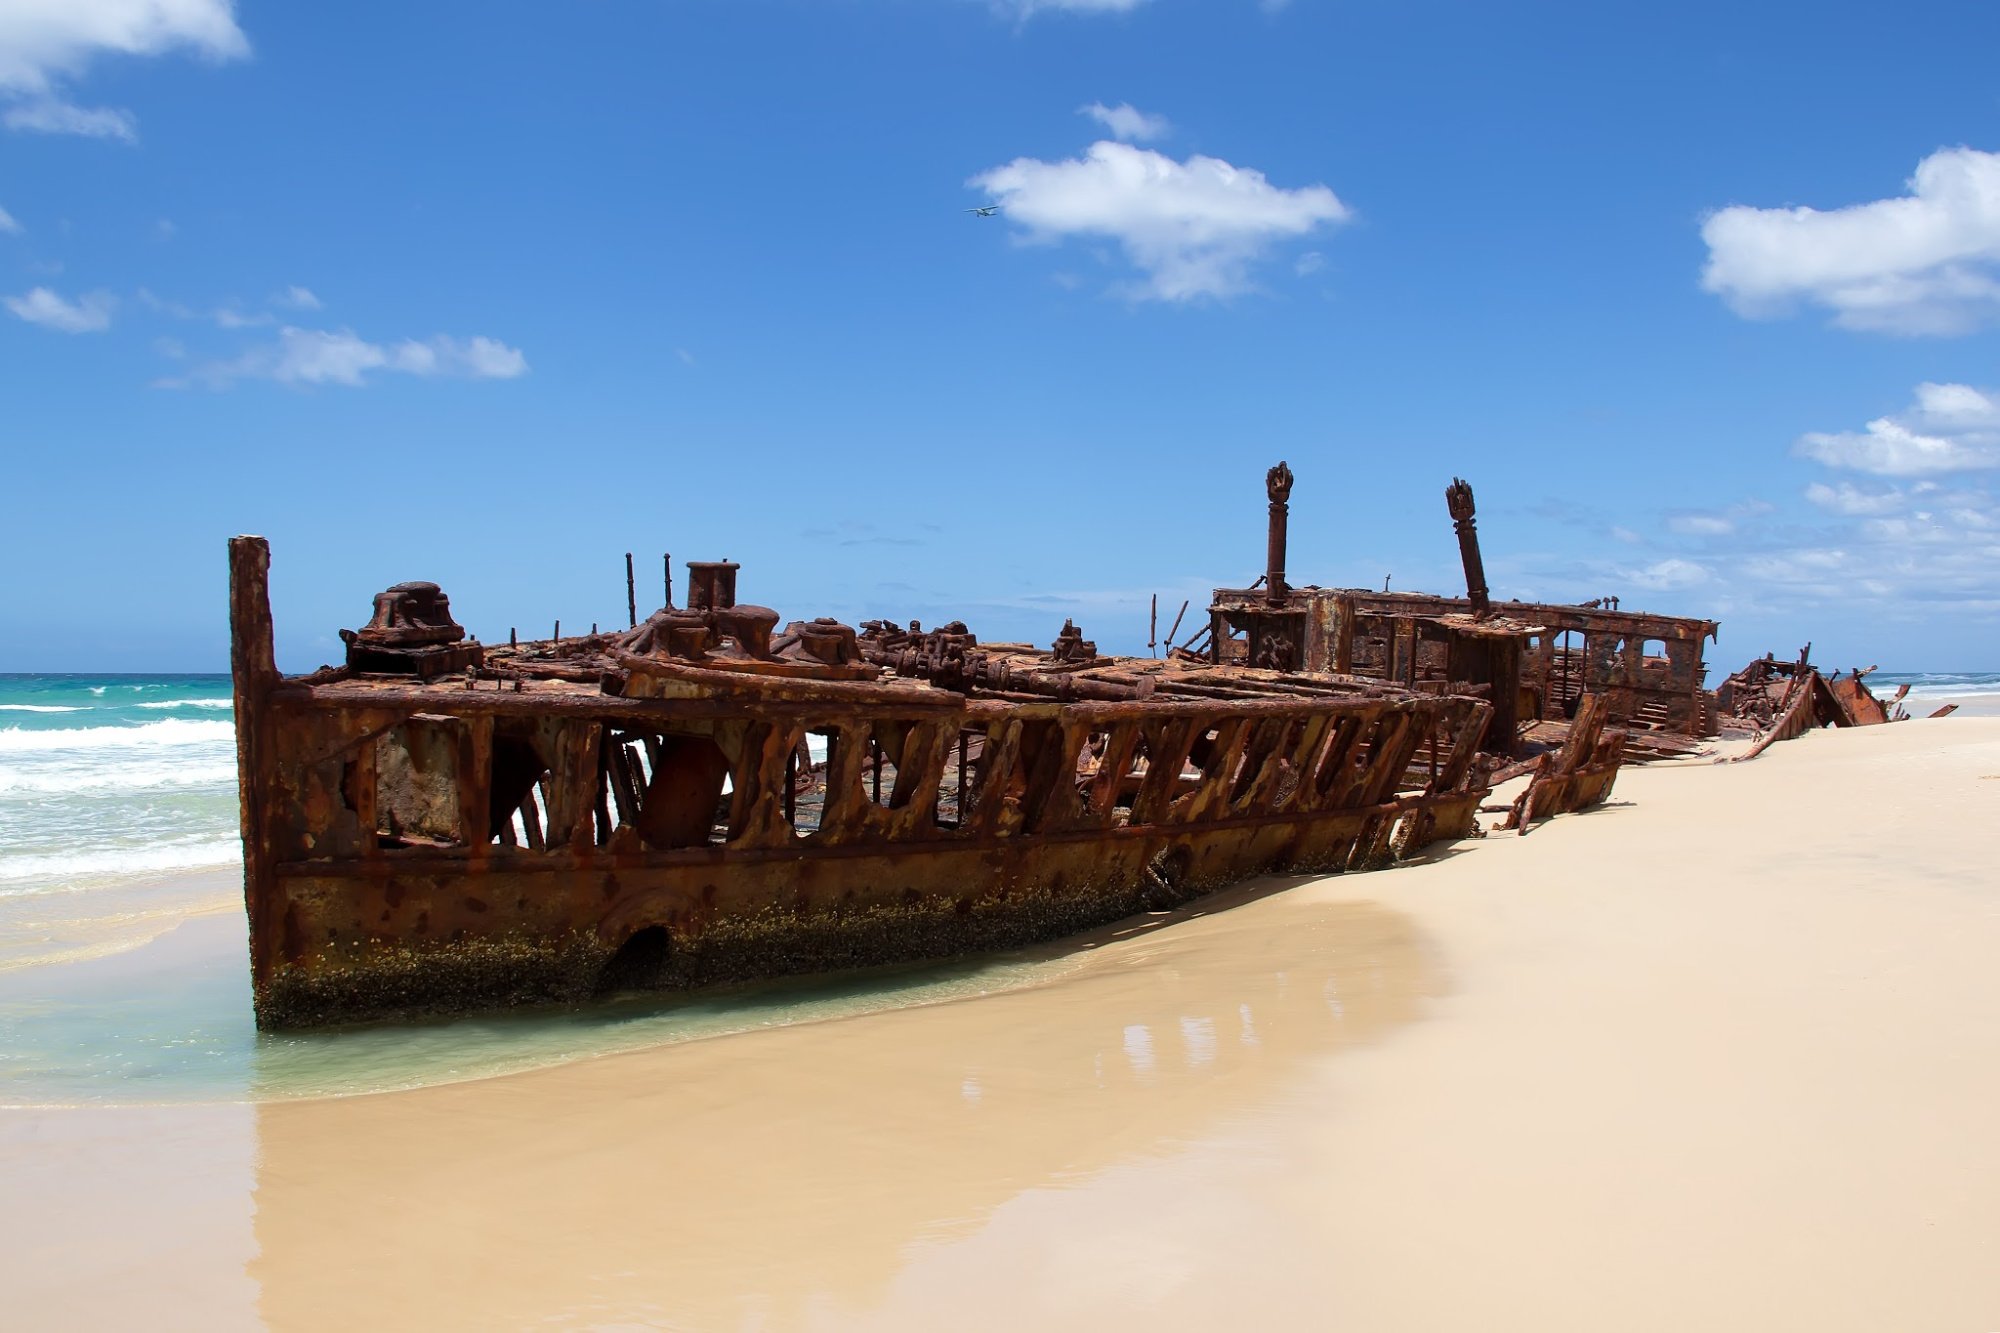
<point>985,211</point>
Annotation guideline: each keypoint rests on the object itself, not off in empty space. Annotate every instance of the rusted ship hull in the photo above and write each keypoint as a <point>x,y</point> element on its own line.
<point>553,823</point>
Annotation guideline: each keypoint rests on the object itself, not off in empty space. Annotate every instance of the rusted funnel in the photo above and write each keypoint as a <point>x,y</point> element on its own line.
<point>1458,496</point>
<point>1278,484</point>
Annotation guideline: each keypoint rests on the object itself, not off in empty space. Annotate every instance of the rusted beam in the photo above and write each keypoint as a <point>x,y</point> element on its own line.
<point>253,672</point>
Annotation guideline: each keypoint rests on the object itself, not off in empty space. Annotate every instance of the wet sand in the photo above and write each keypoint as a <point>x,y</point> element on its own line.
<point>37,930</point>
<point>1725,1054</point>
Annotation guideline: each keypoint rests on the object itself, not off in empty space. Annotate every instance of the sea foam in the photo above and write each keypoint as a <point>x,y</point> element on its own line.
<point>41,708</point>
<point>134,776</point>
<point>108,862</point>
<point>168,731</point>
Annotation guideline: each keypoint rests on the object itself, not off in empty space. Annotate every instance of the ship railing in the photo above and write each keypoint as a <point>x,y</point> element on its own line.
<point>368,783</point>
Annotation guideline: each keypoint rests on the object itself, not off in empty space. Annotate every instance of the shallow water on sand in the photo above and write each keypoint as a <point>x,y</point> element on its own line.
<point>787,1178</point>
<point>170,1023</point>
<point>776,1178</point>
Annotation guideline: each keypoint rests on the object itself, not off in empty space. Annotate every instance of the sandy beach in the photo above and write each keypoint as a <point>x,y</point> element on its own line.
<point>1719,1055</point>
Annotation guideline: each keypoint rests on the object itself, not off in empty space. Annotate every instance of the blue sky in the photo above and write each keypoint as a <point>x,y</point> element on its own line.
<point>1702,299</point>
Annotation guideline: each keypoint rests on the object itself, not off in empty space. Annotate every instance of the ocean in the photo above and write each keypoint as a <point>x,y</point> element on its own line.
<point>118,824</point>
<point>114,791</point>
<point>1931,690</point>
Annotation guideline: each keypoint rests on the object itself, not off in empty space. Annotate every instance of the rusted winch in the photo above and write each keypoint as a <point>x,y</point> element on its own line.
<point>949,658</point>
<point>412,634</point>
<point>714,629</point>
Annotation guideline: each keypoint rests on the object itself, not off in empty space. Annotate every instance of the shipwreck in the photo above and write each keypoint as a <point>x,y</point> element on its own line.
<point>703,797</point>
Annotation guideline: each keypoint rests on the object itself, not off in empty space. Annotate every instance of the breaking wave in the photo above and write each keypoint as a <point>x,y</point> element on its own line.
<point>41,708</point>
<point>167,732</point>
<point>187,703</point>
<point>68,780</point>
<point>1946,691</point>
<point>193,855</point>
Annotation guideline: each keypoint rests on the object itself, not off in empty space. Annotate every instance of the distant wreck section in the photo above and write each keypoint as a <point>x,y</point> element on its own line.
<point>1539,664</point>
<point>1535,662</point>
<point>703,797</point>
<point>1779,701</point>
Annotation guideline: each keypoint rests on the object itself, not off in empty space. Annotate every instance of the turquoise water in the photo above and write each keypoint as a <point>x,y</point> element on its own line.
<point>104,777</point>
<point>170,1023</point>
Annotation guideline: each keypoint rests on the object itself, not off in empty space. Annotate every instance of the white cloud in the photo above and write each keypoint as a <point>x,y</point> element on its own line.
<point>1958,405</point>
<point>1922,550</point>
<point>89,313</point>
<point>1312,261</point>
<point>45,116</point>
<point>1126,121</point>
<point>1851,500</point>
<point>1668,575</point>
<point>1925,546</point>
<point>1927,262</point>
<point>231,315</point>
<point>227,317</point>
<point>480,357</point>
<point>1950,428</point>
<point>7,223</point>
<point>341,357</point>
<point>310,356</point>
<point>1700,525</point>
<point>45,44</point>
<point>1715,522</point>
<point>1192,227</point>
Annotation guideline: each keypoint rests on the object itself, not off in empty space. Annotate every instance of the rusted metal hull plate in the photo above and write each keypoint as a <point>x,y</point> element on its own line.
<point>421,938</point>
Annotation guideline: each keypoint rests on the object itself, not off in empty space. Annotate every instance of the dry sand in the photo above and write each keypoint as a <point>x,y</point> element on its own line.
<point>1723,1055</point>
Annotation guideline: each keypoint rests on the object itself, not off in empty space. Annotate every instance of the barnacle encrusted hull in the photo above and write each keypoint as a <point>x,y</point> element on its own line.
<point>703,799</point>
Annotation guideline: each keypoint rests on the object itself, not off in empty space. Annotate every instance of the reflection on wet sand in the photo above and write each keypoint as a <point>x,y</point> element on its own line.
<point>780,1177</point>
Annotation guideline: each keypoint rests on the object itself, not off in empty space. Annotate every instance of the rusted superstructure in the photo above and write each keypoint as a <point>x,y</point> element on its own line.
<point>1534,661</point>
<point>442,825</point>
